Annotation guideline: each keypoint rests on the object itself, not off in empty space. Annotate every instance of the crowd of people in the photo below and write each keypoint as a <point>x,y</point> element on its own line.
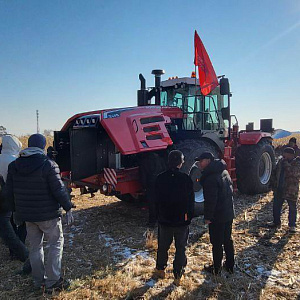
<point>32,196</point>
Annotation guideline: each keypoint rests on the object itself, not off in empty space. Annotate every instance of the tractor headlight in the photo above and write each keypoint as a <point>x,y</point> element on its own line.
<point>104,188</point>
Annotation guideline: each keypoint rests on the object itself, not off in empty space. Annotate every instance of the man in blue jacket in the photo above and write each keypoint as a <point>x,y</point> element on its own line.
<point>35,188</point>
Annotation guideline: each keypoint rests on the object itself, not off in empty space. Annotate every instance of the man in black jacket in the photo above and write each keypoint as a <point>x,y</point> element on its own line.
<point>175,209</point>
<point>218,209</point>
<point>35,188</point>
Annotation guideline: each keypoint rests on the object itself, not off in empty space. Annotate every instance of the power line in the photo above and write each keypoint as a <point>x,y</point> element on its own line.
<point>37,122</point>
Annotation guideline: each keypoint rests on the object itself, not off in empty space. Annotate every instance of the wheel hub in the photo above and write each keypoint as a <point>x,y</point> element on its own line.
<point>265,168</point>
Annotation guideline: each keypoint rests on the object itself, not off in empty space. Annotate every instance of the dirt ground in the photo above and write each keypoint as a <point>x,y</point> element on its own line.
<point>106,257</point>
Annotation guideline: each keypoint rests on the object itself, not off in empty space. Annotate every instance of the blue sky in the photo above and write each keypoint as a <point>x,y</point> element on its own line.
<point>65,57</point>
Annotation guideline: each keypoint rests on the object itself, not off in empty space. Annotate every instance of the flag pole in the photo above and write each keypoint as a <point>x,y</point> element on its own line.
<point>195,78</point>
<point>195,66</point>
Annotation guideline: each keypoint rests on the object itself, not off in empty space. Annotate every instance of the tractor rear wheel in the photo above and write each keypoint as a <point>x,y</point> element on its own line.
<point>192,149</point>
<point>254,165</point>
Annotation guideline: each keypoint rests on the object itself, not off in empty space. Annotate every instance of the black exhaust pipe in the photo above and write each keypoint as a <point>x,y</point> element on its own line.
<point>143,82</point>
<point>157,74</point>
<point>142,94</point>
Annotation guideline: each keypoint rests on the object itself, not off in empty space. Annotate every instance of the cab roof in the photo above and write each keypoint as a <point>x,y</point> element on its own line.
<point>172,82</point>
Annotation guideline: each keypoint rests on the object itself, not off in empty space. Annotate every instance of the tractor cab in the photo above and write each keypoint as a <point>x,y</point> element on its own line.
<point>210,113</point>
<point>200,112</point>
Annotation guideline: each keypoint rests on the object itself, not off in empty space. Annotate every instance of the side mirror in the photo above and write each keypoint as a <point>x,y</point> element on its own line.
<point>224,86</point>
<point>225,113</point>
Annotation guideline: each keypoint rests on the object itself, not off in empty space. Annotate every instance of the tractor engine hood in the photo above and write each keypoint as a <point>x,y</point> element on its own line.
<point>137,129</point>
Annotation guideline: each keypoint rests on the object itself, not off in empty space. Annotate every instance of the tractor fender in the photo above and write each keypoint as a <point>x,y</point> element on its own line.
<point>253,138</point>
<point>214,139</point>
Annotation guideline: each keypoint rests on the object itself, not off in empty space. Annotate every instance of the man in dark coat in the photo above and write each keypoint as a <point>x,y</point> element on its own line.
<point>175,209</point>
<point>285,184</point>
<point>218,209</point>
<point>35,188</point>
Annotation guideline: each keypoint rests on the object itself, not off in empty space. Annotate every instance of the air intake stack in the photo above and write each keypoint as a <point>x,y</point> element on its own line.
<point>157,74</point>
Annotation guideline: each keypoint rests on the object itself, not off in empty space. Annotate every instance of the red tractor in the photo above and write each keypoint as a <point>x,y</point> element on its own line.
<point>102,149</point>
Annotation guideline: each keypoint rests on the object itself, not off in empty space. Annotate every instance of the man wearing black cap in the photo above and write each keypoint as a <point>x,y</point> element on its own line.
<point>218,210</point>
<point>35,188</point>
<point>175,210</point>
<point>285,185</point>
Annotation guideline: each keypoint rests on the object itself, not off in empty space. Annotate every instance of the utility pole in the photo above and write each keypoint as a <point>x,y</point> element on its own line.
<point>37,122</point>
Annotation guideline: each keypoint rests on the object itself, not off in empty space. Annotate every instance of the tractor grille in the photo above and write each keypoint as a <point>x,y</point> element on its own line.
<point>91,152</point>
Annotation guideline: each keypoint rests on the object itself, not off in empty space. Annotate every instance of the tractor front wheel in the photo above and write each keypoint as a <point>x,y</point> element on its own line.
<point>254,165</point>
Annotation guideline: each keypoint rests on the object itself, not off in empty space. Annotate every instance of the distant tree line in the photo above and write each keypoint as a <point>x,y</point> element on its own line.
<point>47,132</point>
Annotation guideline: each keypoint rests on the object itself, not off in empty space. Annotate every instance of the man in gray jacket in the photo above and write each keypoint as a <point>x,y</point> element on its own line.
<point>35,188</point>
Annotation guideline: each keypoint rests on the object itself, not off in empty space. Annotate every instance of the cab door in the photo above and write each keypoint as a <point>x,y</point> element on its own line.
<point>62,147</point>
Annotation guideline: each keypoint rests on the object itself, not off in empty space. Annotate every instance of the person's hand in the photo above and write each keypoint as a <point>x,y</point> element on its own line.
<point>69,217</point>
<point>198,165</point>
<point>207,222</point>
<point>16,220</point>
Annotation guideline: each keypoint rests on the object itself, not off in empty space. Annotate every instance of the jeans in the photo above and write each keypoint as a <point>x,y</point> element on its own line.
<point>220,235</point>
<point>52,231</point>
<point>11,240</point>
<point>165,239</point>
<point>277,206</point>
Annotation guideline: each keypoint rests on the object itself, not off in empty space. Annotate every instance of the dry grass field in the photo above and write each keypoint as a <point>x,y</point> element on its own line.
<point>24,141</point>
<point>284,141</point>
<point>105,256</point>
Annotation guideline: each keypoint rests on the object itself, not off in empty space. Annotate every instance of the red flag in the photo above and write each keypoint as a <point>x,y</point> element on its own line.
<point>207,76</point>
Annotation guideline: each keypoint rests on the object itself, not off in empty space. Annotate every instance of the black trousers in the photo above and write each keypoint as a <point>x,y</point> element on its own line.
<point>12,241</point>
<point>165,239</point>
<point>220,236</point>
<point>20,231</point>
<point>150,194</point>
<point>277,206</point>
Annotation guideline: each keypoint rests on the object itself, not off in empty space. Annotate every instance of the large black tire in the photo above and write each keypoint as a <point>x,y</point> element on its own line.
<point>254,165</point>
<point>192,149</point>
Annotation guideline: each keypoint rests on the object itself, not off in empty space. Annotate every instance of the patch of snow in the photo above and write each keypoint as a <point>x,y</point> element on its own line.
<point>121,251</point>
<point>70,238</point>
<point>274,276</point>
<point>260,270</point>
<point>150,283</point>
